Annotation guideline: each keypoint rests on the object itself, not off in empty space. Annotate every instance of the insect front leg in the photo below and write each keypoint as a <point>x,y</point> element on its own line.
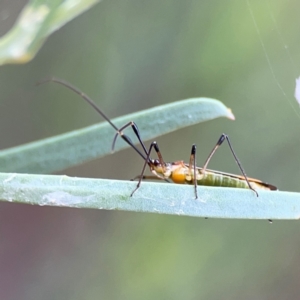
<point>151,163</point>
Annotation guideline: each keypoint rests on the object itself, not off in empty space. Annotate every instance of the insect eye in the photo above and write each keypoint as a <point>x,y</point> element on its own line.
<point>156,162</point>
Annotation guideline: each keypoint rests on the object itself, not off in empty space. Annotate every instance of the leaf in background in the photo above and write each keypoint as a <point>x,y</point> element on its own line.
<point>297,90</point>
<point>163,198</point>
<point>75,147</point>
<point>36,22</point>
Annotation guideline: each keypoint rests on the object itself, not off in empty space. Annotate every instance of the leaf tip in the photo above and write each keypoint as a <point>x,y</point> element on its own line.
<point>230,115</point>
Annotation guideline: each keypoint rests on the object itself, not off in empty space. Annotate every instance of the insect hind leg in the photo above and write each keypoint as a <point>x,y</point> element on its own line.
<point>222,138</point>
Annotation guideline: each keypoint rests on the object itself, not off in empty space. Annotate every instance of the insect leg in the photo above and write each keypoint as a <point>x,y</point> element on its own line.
<point>150,162</point>
<point>136,132</point>
<point>150,177</point>
<point>147,159</point>
<point>222,138</point>
<point>192,163</point>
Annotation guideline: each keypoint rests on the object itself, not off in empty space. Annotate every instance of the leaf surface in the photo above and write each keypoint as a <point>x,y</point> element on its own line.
<point>162,198</point>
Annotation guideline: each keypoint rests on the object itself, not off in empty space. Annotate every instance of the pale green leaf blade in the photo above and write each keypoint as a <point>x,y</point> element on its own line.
<point>75,147</point>
<point>162,198</point>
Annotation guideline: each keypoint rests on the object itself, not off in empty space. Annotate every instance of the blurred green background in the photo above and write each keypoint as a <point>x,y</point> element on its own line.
<point>131,55</point>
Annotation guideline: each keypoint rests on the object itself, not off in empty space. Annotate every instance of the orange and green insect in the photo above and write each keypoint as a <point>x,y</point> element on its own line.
<point>178,171</point>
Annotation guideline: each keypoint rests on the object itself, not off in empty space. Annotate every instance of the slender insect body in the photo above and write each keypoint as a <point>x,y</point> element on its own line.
<point>177,171</point>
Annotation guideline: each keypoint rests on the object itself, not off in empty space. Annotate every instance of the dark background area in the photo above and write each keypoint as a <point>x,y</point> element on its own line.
<point>131,55</point>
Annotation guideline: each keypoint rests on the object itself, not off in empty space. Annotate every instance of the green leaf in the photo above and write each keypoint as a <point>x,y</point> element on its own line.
<point>163,198</point>
<point>36,22</point>
<point>75,147</point>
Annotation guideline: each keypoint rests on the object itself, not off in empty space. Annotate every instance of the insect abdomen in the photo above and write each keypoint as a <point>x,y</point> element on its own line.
<point>211,179</point>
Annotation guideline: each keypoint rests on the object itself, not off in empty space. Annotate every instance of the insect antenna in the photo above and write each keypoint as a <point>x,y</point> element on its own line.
<point>94,105</point>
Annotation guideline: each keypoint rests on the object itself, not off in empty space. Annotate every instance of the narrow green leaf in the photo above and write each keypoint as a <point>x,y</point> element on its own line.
<point>163,198</point>
<point>75,147</point>
<point>38,20</point>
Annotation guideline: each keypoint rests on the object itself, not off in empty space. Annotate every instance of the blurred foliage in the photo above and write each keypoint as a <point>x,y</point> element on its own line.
<point>38,19</point>
<point>131,55</point>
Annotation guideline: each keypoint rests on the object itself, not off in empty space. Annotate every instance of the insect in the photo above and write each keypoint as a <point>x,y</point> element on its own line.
<point>178,171</point>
